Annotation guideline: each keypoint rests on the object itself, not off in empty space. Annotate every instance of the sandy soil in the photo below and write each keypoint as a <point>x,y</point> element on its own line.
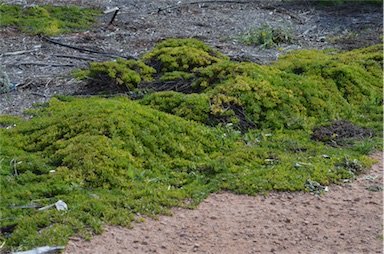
<point>347,219</point>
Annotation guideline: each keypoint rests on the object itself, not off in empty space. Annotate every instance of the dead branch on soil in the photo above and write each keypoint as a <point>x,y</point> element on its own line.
<point>40,94</point>
<point>170,7</point>
<point>90,50</point>
<point>18,52</point>
<point>75,57</point>
<point>45,64</point>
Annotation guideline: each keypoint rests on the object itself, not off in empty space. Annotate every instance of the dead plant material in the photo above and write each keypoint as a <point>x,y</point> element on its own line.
<point>339,131</point>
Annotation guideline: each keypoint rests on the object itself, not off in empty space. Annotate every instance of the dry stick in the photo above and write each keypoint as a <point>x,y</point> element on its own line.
<point>76,57</point>
<point>18,52</point>
<point>89,50</point>
<point>45,64</point>
<point>24,85</point>
<point>116,10</point>
<point>39,94</point>
<point>201,2</point>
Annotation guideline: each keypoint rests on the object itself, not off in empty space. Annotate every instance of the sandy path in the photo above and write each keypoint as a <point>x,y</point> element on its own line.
<point>347,219</point>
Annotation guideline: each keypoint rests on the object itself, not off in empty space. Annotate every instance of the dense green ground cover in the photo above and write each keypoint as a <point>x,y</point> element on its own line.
<point>235,126</point>
<point>48,20</point>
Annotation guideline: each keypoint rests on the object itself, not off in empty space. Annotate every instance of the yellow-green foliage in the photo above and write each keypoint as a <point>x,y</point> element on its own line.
<point>114,158</point>
<point>356,75</point>
<point>47,19</point>
<point>182,55</point>
<point>191,107</point>
<point>110,159</point>
<point>266,36</point>
<point>298,91</point>
<point>122,72</point>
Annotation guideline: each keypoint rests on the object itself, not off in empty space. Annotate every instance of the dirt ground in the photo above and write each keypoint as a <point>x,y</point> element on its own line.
<point>347,219</point>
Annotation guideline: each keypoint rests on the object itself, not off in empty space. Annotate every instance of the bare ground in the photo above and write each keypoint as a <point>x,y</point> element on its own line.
<point>347,219</point>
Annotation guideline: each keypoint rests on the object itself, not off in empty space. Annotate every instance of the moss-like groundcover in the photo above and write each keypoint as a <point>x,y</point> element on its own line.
<point>47,19</point>
<point>224,126</point>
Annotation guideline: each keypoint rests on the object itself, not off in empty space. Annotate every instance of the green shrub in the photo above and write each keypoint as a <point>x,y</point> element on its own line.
<point>47,19</point>
<point>191,107</point>
<point>129,73</point>
<point>183,55</point>
<point>111,159</point>
<point>300,90</point>
<point>265,36</point>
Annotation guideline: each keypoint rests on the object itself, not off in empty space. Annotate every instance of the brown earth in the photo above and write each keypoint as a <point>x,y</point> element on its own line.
<point>347,219</point>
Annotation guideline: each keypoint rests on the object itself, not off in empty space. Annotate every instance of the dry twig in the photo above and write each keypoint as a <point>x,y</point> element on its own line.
<point>90,50</point>
<point>76,57</point>
<point>19,52</point>
<point>45,64</point>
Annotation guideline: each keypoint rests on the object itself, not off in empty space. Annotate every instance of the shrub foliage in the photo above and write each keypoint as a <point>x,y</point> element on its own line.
<point>47,19</point>
<point>233,126</point>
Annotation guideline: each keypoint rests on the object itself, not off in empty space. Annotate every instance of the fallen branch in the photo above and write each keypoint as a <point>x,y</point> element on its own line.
<point>89,50</point>
<point>116,10</point>
<point>45,64</point>
<point>19,52</point>
<point>200,2</point>
<point>40,94</point>
<point>76,57</point>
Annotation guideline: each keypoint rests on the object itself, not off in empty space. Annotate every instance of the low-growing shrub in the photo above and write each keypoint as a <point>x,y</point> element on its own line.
<point>183,55</point>
<point>300,90</point>
<point>110,159</point>
<point>47,19</point>
<point>238,126</point>
<point>266,36</point>
<point>129,73</point>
